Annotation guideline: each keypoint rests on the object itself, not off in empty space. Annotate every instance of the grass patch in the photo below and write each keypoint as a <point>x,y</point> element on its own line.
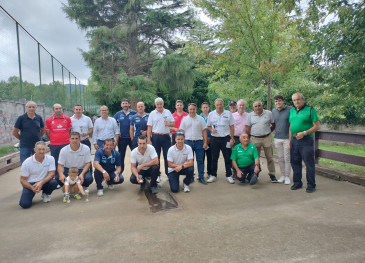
<point>6,150</point>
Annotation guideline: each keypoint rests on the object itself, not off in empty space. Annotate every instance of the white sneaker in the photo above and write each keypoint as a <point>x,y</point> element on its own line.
<point>111,186</point>
<point>158,179</point>
<point>211,179</point>
<point>230,180</point>
<point>46,198</point>
<point>287,180</point>
<point>100,192</point>
<point>281,179</point>
<point>186,188</point>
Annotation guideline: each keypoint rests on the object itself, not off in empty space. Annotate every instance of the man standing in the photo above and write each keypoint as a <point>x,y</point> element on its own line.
<point>31,128</point>
<point>58,128</point>
<point>232,106</point>
<point>178,115</point>
<point>144,163</point>
<point>221,126</point>
<point>245,160</point>
<point>208,151</point>
<point>304,123</point>
<point>75,155</point>
<point>181,162</point>
<point>195,130</point>
<point>259,125</point>
<point>107,165</point>
<point>36,175</point>
<point>105,127</point>
<point>240,118</point>
<point>82,124</point>
<point>123,118</point>
<point>138,124</point>
<point>281,139</point>
<point>158,126</point>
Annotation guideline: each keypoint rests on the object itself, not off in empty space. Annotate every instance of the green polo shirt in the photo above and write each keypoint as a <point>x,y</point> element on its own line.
<point>303,119</point>
<point>244,157</point>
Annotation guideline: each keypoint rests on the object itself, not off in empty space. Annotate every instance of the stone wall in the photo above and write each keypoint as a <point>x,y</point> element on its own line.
<point>9,112</point>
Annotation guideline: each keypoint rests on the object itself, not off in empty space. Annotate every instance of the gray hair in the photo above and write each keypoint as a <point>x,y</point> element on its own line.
<point>40,143</point>
<point>31,102</point>
<point>158,100</point>
<point>242,101</point>
<point>299,94</point>
<point>219,99</point>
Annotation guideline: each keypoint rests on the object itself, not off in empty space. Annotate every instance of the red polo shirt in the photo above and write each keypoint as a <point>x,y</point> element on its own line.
<point>59,129</point>
<point>178,119</point>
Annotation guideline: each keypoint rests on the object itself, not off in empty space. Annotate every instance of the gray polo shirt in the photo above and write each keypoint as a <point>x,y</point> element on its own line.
<point>260,125</point>
<point>282,122</point>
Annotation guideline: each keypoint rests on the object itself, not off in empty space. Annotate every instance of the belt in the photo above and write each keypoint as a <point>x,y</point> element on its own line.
<point>85,139</point>
<point>194,140</point>
<point>263,136</point>
<point>155,133</point>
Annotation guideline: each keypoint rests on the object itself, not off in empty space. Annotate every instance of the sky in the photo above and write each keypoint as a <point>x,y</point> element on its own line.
<point>45,20</point>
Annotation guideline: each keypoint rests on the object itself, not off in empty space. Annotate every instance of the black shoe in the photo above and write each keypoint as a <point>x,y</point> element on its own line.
<point>310,190</point>
<point>201,180</point>
<point>273,179</point>
<point>241,180</point>
<point>295,187</point>
<point>253,179</point>
<point>154,190</point>
<point>142,187</point>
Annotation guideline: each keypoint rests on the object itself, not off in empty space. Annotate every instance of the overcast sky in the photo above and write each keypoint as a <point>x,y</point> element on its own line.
<point>46,21</point>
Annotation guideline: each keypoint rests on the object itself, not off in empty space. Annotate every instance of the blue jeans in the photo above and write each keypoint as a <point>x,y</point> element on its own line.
<point>88,178</point>
<point>27,195</point>
<point>151,172</point>
<point>122,148</point>
<point>25,153</point>
<point>197,147</point>
<point>161,141</point>
<point>303,150</point>
<point>247,172</point>
<point>174,178</point>
<point>99,179</point>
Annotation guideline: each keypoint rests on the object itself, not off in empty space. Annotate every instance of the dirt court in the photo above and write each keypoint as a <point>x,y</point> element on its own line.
<point>218,222</point>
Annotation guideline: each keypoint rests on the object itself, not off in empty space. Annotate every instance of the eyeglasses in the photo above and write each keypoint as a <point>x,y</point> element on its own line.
<point>180,133</point>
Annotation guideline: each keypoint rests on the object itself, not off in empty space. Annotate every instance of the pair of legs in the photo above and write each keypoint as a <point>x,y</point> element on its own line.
<point>265,143</point>
<point>55,152</point>
<point>174,178</point>
<point>247,172</point>
<point>282,148</point>
<point>122,148</point>
<point>303,150</point>
<point>99,179</point>
<point>162,142</point>
<point>88,178</point>
<point>27,195</point>
<point>197,147</point>
<point>151,172</point>
<point>218,144</point>
<point>25,153</point>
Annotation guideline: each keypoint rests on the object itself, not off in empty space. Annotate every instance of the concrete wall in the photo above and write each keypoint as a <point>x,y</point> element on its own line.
<point>9,112</point>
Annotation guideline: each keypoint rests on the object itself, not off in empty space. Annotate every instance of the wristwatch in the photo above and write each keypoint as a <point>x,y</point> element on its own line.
<point>305,133</point>
<point>104,172</point>
<point>182,167</point>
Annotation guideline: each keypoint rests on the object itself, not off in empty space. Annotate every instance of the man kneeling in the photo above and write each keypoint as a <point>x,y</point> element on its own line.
<point>245,160</point>
<point>108,167</point>
<point>144,163</point>
<point>37,174</point>
<point>181,162</point>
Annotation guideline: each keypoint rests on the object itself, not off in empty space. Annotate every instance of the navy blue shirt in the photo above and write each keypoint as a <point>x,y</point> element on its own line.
<point>109,163</point>
<point>123,121</point>
<point>139,123</point>
<point>30,130</point>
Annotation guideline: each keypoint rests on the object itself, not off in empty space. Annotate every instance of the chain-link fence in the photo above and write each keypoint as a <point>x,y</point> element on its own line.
<point>29,71</point>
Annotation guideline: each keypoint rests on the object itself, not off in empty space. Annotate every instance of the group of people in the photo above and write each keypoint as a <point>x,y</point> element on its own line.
<point>239,135</point>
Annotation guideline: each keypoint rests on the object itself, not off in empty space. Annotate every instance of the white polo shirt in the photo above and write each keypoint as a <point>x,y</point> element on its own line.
<point>69,158</point>
<point>156,121</point>
<point>179,156</point>
<point>138,158</point>
<point>81,125</point>
<point>105,129</point>
<point>36,171</point>
<point>221,123</point>
<point>193,127</point>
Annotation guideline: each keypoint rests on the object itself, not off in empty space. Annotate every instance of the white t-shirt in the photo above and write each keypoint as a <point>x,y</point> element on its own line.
<point>193,127</point>
<point>68,181</point>
<point>105,129</point>
<point>69,158</point>
<point>138,158</point>
<point>81,125</point>
<point>221,123</point>
<point>179,156</point>
<point>156,120</point>
<point>36,171</point>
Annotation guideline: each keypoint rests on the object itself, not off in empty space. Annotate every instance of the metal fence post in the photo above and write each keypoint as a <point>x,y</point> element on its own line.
<point>19,61</point>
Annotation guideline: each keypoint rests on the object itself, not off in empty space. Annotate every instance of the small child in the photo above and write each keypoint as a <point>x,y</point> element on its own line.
<point>74,182</point>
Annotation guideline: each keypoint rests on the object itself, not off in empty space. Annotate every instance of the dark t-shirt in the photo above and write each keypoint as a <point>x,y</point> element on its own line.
<point>30,130</point>
<point>282,122</point>
<point>109,163</point>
